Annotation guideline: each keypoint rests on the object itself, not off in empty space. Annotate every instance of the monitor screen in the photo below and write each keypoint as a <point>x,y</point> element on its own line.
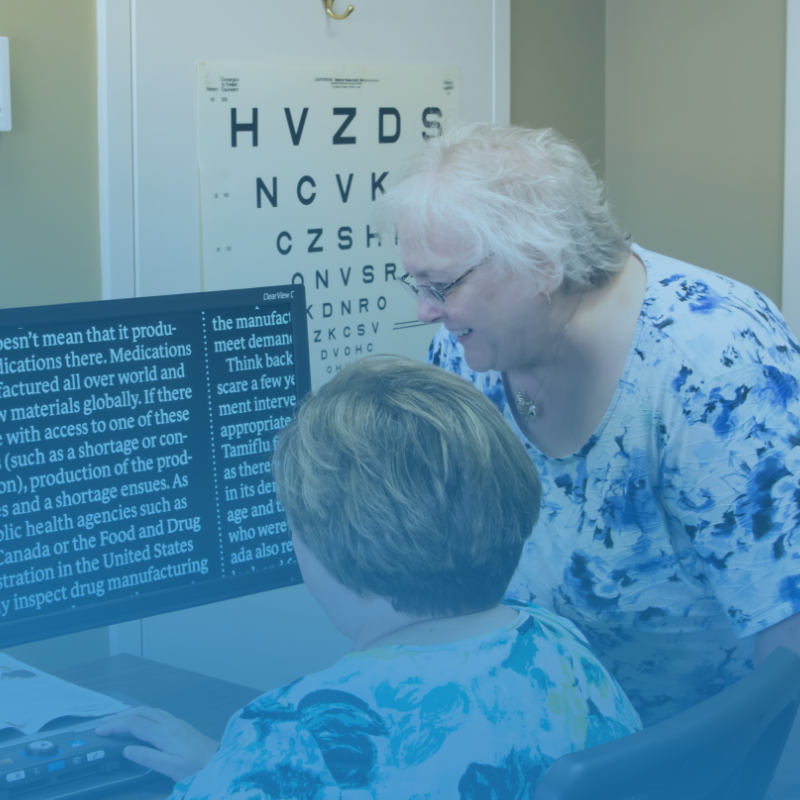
<point>136,455</point>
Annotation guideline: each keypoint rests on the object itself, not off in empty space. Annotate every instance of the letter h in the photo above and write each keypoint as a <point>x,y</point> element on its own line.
<point>243,127</point>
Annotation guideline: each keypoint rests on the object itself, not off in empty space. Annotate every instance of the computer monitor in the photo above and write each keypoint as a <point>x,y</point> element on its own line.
<point>136,455</point>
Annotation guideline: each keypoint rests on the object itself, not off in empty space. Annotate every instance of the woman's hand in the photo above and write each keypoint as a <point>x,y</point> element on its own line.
<point>182,749</point>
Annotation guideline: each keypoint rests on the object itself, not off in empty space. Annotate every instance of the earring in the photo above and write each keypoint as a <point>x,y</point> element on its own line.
<point>549,301</point>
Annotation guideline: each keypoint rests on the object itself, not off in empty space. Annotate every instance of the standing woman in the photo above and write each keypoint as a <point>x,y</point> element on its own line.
<point>659,401</point>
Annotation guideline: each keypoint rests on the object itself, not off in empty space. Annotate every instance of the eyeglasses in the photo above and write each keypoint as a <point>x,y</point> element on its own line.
<point>437,297</point>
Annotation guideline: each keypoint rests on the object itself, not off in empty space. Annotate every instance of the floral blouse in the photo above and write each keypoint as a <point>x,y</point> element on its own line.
<point>671,537</point>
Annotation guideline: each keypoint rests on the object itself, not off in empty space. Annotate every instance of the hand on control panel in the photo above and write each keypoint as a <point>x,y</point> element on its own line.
<point>181,749</point>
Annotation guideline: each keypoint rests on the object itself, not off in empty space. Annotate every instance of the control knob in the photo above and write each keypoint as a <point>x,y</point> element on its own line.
<point>41,749</point>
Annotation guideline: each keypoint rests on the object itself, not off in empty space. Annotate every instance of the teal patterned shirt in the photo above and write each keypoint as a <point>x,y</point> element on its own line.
<point>478,718</point>
<point>671,537</point>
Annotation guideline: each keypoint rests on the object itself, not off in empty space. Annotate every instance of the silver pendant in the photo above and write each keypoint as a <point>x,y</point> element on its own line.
<point>525,408</point>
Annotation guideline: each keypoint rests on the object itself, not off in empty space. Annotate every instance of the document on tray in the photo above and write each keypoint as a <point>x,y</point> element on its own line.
<point>30,698</point>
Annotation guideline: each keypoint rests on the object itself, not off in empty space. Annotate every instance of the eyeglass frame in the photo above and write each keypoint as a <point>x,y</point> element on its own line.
<point>439,295</point>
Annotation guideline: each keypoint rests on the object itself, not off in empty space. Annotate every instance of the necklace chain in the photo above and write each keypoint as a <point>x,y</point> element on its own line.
<point>527,408</point>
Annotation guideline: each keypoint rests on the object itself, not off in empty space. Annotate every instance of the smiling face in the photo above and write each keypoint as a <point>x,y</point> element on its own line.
<point>499,317</point>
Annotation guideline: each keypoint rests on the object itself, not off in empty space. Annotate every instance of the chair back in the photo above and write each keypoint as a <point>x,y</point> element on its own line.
<point>725,748</point>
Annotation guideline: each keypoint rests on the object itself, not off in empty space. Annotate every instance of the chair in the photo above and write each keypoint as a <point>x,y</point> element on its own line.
<point>725,748</point>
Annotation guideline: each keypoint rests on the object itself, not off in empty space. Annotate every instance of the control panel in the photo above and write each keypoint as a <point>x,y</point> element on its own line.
<point>64,763</point>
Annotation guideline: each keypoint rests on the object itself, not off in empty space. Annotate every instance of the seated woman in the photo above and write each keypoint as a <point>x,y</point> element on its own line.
<point>409,500</point>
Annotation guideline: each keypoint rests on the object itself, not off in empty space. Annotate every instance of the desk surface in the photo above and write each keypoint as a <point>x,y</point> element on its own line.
<point>206,703</point>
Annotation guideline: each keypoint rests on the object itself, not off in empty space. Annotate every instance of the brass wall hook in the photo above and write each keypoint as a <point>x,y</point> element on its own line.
<point>329,10</point>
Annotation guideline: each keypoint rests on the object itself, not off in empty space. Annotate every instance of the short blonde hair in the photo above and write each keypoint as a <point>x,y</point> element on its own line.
<point>407,483</point>
<point>528,197</point>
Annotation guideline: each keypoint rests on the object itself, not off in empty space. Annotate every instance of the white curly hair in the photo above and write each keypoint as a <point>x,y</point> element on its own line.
<point>528,197</point>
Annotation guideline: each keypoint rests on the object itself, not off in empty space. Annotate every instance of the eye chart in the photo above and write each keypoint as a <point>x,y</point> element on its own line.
<point>291,160</point>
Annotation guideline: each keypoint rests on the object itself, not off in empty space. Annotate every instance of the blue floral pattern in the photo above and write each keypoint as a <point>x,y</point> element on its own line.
<point>671,537</point>
<point>479,718</point>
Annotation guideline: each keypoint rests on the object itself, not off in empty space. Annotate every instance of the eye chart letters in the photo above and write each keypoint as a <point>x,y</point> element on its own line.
<point>292,157</point>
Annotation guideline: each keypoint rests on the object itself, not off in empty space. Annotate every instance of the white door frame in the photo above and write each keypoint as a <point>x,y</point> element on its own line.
<point>791,184</point>
<point>116,148</point>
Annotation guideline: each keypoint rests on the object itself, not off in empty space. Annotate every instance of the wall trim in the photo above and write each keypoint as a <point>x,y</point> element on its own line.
<point>115,132</point>
<point>501,62</point>
<point>117,242</point>
<point>791,181</point>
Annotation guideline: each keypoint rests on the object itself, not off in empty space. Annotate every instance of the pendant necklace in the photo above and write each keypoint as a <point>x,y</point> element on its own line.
<point>527,408</point>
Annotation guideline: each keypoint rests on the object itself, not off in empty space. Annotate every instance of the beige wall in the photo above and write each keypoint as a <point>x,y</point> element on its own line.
<point>49,208</point>
<point>694,131</point>
<point>680,105</point>
<point>558,70</point>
